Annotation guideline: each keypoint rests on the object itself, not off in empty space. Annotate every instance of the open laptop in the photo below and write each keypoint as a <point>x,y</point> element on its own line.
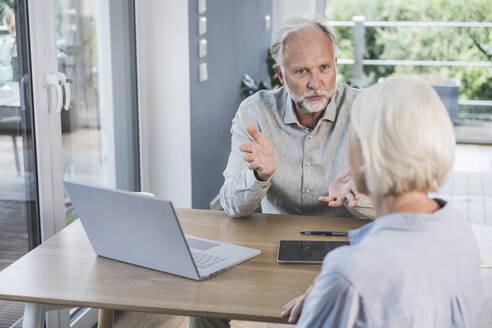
<point>144,230</point>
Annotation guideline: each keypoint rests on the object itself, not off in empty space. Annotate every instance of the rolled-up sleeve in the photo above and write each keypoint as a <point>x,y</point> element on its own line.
<point>363,210</point>
<point>333,302</point>
<point>241,192</point>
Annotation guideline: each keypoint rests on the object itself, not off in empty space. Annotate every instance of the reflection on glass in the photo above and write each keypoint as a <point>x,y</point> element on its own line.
<point>99,129</point>
<point>18,199</point>
<point>77,58</point>
<point>14,237</point>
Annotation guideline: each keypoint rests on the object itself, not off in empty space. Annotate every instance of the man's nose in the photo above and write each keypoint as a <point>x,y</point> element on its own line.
<point>314,82</point>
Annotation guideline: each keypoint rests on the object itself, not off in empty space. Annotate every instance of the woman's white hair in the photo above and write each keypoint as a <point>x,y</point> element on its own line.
<point>296,24</point>
<point>406,136</point>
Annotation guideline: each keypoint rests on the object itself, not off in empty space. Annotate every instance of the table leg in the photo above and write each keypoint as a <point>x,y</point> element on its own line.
<point>105,318</point>
<point>34,315</point>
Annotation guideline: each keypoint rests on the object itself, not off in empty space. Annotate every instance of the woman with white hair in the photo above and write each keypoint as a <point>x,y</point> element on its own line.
<point>417,264</point>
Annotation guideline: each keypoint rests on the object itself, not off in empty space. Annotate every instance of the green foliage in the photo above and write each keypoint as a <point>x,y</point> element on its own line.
<point>70,216</point>
<point>249,86</point>
<point>7,15</point>
<point>419,43</point>
<point>6,3</point>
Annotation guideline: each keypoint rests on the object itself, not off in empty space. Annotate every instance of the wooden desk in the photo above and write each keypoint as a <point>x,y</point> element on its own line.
<point>65,271</point>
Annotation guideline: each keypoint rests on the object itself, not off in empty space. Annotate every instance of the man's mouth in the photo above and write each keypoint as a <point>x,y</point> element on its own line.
<point>314,98</point>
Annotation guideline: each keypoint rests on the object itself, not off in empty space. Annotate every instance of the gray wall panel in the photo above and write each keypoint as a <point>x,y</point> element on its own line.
<point>237,44</point>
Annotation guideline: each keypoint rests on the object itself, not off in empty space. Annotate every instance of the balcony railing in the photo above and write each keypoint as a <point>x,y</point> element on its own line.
<point>359,24</point>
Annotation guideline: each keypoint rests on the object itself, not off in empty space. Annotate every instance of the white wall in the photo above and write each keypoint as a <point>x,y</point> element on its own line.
<point>164,112</point>
<point>283,9</point>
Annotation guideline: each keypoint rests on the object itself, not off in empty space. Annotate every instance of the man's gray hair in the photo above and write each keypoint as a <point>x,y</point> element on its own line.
<point>296,24</point>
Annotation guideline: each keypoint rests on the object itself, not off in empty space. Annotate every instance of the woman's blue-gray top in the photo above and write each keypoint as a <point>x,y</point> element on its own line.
<point>401,270</point>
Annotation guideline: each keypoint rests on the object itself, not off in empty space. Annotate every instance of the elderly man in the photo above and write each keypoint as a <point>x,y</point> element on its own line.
<point>289,145</point>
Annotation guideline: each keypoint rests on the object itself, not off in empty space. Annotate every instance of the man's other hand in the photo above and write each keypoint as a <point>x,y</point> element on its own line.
<point>259,154</point>
<point>342,189</point>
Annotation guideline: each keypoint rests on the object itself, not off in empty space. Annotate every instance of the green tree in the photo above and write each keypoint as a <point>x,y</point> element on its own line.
<point>416,43</point>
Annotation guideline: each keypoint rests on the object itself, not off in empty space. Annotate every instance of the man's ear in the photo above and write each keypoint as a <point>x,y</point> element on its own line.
<point>278,70</point>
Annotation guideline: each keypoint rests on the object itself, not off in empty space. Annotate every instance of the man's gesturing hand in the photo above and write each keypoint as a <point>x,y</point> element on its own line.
<point>341,189</point>
<point>259,154</point>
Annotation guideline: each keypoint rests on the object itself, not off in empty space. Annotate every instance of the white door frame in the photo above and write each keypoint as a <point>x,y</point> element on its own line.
<point>47,121</point>
<point>48,135</point>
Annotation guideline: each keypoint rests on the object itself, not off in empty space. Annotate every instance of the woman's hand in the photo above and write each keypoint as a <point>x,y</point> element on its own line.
<point>293,309</point>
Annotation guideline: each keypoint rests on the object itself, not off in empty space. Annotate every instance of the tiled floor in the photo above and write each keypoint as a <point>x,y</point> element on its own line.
<point>134,320</point>
<point>469,189</point>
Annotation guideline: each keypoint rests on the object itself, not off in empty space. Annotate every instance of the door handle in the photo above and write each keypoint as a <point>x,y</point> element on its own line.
<point>66,86</point>
<point>57,80</point>
<point>22,86</point>
<point>52,80</point>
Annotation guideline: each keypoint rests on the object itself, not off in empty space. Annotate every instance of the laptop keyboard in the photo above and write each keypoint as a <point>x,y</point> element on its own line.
<point>204,260</point>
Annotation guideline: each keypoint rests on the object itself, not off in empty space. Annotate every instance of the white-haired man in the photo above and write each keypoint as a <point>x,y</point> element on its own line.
<point>289,145</point>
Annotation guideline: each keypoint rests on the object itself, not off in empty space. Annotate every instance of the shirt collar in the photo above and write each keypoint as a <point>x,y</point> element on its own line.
<point>329,114</point>
<point>289,115</point>
<point>397,221</point>
<point>331,110</point>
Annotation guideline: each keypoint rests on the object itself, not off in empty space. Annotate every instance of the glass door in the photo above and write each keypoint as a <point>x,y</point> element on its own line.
<point>96,52</point>
<point>19,218</point>
<point>68,110</point>
<point>96,137</point>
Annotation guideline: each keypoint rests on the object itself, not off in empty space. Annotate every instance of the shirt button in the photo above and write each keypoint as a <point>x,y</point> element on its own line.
<point>310,137</point>
<point>307,190</point>
<point>264,187</point>
<point>308,164</point>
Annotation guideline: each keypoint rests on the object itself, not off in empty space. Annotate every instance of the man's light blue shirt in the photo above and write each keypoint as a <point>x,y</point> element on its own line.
<point>401,270</point>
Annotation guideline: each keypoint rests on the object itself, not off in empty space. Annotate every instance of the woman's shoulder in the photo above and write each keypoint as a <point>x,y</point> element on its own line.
<point>346,262</point>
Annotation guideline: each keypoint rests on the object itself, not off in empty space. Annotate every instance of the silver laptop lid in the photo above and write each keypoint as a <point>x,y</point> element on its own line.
<point>133,228</point>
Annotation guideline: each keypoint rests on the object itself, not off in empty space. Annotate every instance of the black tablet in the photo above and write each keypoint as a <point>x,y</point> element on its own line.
<point>305,251</point>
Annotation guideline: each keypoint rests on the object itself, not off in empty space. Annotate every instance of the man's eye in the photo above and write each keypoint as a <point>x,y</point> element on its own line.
<point>324,67</point>
<point>300,71</point>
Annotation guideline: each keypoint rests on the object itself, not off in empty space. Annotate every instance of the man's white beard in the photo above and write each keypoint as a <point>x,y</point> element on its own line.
<point>308,105</point>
